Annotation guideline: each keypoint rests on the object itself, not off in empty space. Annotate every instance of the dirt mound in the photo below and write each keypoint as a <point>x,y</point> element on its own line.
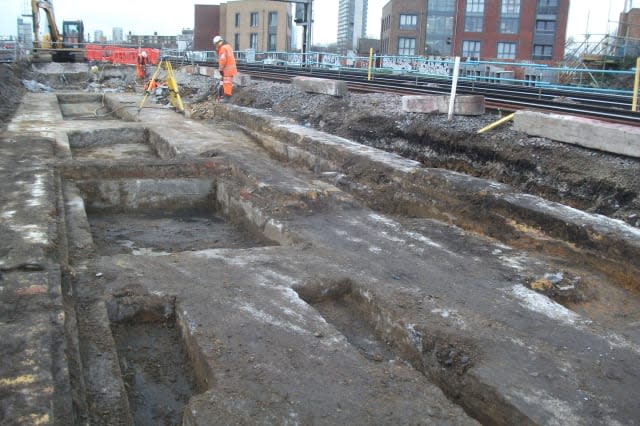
<point>11,90</point>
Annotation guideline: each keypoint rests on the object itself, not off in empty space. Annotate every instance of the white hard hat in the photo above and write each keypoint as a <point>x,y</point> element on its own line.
<point>143,54</point>
<point>217,39</point>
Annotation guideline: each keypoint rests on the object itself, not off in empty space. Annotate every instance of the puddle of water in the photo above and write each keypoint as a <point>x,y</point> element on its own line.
<point>168,232</point>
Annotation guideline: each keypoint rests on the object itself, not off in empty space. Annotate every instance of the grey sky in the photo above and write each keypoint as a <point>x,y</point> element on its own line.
<point>170,17</point>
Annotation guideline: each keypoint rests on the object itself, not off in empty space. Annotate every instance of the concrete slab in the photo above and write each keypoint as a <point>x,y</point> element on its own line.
<point>428,104</point>
<point>590,133</point>
<point>322,86</point>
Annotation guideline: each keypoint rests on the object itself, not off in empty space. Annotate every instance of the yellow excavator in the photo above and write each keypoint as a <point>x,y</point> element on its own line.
<point>67,46</point>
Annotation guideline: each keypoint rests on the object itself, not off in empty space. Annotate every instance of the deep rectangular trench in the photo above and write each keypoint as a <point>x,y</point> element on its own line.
<point>153,358</point>
<point>145,216</point>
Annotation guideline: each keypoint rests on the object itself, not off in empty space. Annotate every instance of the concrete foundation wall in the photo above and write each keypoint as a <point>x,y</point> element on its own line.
<point>594,134</point>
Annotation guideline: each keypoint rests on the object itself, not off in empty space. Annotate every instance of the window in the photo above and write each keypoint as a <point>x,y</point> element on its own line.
<point>439,31</point>
<point>442,5</point>
<point>475,6</point>
<point>510,7</point>
<point>545,26</point>
<point>473,24</point>
<point>254,19</point>
<point>474,16</point>
<point>471,49</point>
<point>506,50</point>
<point>510,16</point>
<point>509,25</point>
<point>542,51</point>
<point>408,22</point>
<point>273,19</point>
<point>406,46</point>
<point>547,7</point>
<point>237,20</point>
<point>236,41</point>
<point>273,39</point>
<point>253,41</point>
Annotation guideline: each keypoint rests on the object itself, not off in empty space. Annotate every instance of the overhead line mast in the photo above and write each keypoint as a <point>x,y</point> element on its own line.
<point>306,20</point>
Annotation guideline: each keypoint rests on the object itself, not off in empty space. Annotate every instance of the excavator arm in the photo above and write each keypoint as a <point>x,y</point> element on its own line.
<point>47,7</point>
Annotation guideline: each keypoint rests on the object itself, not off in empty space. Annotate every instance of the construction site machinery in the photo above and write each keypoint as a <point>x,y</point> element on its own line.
<point>67,46</point>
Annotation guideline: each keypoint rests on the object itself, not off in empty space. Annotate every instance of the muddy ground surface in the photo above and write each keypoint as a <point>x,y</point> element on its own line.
<point>589,180</point>
<point>239,306</point>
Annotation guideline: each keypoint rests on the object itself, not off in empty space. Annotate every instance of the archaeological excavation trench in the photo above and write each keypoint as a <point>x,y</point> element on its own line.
<point>250,270</point>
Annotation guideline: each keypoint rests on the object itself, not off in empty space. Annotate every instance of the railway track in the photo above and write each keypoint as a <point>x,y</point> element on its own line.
<point>507,97</point>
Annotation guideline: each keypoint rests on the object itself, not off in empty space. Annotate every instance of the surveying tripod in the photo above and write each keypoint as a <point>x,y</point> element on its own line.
<point>172,85</point>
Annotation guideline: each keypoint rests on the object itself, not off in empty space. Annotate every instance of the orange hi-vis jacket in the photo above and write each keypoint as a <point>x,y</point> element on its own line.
<point>226,60</point>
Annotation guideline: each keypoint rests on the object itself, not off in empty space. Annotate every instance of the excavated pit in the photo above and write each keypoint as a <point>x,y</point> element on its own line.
<point>165,232</point>
<point>112,144</point>
<point>85,107</point>
<point>153,358</point>
<point>146,216</point>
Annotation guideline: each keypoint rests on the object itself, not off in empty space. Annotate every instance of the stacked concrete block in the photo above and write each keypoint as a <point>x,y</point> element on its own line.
<point>439,104</point>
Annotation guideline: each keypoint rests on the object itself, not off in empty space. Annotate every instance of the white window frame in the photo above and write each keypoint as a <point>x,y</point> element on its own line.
<point>471,48</point>
<point>506,50</point>
<point>406,46</point>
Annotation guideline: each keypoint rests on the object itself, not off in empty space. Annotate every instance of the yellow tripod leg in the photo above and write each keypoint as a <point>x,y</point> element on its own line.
<point>174,91</point>
<point>147,91</point>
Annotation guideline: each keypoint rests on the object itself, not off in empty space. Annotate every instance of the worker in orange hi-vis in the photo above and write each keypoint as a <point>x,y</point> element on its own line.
<point>141,65</point>
<point>226,66</point>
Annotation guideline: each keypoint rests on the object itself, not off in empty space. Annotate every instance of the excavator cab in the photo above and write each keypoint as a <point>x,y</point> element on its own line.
<point>72,34</point>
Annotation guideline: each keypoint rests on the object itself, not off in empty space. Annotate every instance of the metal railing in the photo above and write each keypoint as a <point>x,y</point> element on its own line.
<point>12,50</point>
<point>500,72</point>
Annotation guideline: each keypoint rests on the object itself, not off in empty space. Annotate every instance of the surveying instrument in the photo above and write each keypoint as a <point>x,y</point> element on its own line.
<point>172,86</point>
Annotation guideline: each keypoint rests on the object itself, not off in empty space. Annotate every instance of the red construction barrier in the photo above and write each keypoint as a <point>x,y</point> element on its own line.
<point>120,55</point>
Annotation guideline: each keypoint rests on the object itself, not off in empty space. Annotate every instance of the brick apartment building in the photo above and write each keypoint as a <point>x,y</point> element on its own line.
<point>487,29</point>
<point>265,26</point>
